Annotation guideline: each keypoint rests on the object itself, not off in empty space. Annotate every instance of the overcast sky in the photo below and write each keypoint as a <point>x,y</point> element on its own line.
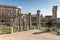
<point>33,5</point>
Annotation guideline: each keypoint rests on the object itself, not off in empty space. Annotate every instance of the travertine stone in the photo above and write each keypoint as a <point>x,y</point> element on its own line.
<point>38,19</point>
<point>11,30</point>
<point>54,14</point>
<point>24,24</point>
<point>30,21</point>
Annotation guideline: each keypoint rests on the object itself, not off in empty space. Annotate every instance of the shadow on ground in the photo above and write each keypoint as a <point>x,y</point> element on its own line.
<point>40,32</point>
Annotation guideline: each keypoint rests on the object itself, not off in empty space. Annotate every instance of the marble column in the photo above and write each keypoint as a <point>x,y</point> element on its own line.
<point>38,19</point>
<point>30,21</point>
<point>19,22</point>
<point>24,23</point>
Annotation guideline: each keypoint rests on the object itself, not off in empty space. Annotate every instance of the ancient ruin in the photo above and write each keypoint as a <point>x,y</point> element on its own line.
<point>12,16</point>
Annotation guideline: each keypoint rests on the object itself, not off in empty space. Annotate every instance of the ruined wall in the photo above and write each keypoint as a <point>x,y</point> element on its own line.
<point>54,14</point>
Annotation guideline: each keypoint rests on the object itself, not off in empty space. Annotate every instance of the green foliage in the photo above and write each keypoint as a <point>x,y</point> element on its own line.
<point>42,28</point>
<point>16,29</point>
<point>34,27</point>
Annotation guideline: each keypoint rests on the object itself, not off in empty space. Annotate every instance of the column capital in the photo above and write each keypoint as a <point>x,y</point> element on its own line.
<point>29,13</point>
<point>38,11</point>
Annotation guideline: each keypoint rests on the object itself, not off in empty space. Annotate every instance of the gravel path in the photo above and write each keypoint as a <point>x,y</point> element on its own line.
<point>28,35</point>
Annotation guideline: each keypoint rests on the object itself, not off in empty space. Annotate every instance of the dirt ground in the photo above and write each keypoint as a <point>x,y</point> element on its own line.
<point>28,35</point>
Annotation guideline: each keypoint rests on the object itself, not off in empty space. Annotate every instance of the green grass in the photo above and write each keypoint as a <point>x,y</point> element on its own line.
<point>44,28</point>
<point>5,29</point>
<point>35,27</point>
<point>16,29</point>
<point>54,31</point>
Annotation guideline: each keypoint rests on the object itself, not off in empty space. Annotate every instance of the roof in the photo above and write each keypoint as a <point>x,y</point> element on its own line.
<point>7,6</point>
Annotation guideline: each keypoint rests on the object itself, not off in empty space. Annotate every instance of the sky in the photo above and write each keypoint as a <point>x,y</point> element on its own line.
<point>45,6</point>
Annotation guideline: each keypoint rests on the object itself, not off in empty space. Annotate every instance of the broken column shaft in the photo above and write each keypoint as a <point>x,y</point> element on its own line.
<point>30,21</point>
<point>38,19</point>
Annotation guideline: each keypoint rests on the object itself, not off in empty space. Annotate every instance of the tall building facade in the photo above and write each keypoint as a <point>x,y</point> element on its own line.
<point>9,14</point>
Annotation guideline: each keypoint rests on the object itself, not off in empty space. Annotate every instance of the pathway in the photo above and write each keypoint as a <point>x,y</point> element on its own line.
<point>28,35</point>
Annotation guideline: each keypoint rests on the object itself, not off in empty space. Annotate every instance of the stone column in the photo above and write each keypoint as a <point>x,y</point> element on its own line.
<point>38,19</point>
<point>54,12</point>
<point>19,22</point>
<point>30,21</point>
<point>24,23</point>
<point>54,16</point>
<point>11,30</point>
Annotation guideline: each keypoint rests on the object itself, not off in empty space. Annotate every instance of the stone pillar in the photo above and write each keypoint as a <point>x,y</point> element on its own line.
<point>19,22</point>
<point>54,16</point>
<point>30,21</point>
<point>19,13</point>
<point>38,19</point>
<point>41,18</point>
<point>24,24</point>
<point>54,12</point>
<point>11,30</point>
<point>58,31</point>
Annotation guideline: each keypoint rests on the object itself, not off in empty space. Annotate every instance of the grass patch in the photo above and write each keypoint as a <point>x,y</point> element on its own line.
<point>34,27</point>
<point>5,29</point>
<point>42,28</point>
